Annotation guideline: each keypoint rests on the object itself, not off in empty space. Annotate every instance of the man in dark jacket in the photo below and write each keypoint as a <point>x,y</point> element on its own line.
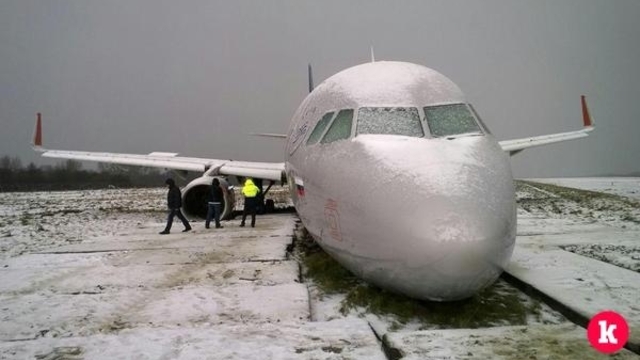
<point>215,199</point>
<point>174,201</point>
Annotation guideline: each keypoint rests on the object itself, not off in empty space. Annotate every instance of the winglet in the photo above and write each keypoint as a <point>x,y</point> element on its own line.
<point>37,135</point>
<point>586,117</point>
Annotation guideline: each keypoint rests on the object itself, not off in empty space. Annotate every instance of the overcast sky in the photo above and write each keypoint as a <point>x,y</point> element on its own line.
<point>196,77</point>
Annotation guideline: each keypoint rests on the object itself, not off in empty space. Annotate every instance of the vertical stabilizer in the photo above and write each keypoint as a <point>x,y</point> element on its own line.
<point>586,117</point>
<point>37,135</point>
<point>310,79</point>
<point>373,56</point>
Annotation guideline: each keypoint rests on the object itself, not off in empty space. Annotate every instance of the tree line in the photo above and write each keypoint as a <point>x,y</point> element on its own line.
<point>69,175</point>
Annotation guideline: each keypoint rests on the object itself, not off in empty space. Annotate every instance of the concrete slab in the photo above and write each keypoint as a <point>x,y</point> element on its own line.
<point>338,339</point>
<point>28,316</point>
<point>203,294</point>
<point>601,236</point>
<point>583,285</point>
<point>515,342</point>
<point>97,278</point>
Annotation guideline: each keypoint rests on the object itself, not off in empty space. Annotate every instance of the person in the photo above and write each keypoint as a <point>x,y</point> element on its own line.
<point>174,202</point>
<point>250,192</point>
<point>215,199</point>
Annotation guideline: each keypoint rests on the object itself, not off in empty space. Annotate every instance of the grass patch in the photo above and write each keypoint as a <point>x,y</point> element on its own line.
<point>330,276</point>
<point>576,195</point>
<point>629,217</point>
<point>26,219</point>
<point>561,200</point>
<point>499,304</point>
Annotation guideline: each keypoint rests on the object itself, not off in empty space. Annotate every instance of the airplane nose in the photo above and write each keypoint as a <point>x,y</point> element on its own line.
<point>458,246</point>
<point>454,220</point>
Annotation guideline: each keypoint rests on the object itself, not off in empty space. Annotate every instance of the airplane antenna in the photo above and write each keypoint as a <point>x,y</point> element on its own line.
<point>373,57</point>
<point>310,78</point>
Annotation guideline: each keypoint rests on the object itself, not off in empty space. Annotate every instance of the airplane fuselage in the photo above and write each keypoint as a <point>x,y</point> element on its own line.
<point>395,176</point>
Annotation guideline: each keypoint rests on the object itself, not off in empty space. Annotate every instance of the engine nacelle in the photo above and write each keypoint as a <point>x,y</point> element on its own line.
<point>194,198</point>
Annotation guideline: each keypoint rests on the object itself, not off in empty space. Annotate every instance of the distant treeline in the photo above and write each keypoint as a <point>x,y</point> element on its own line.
<point>69,175</point>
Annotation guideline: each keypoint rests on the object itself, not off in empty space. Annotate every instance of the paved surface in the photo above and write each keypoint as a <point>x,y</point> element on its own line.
<point>220,294</point>
<point>234,294</point>
<point>580,285</point>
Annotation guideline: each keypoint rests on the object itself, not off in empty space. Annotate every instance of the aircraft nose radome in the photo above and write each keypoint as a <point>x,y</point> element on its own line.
<point>454,214</point>
<point>454,254</point>
<point>459,242</point>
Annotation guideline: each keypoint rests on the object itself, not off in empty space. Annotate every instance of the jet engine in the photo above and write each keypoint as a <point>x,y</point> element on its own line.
<point>194,198</point>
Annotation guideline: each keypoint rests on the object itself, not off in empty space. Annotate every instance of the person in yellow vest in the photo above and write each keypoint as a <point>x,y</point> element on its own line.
<point>250,192</point>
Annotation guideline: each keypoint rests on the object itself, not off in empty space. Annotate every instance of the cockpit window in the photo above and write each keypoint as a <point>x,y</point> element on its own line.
<point>340,128</point>
<point>390,121</point>
<point>447,120</point>
<point>319,129</point>
<point>482,124</point>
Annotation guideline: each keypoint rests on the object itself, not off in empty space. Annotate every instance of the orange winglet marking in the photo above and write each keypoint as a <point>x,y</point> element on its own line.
<point>37,138</point>
<point>586,118</point>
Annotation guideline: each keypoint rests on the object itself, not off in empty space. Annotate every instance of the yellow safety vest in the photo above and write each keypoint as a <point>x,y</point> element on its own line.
<point>250,189</point>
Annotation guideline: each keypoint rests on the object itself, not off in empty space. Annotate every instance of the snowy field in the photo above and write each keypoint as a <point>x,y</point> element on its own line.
<point>40,220</point>
<point>84,275</point>
<point>623,186</point>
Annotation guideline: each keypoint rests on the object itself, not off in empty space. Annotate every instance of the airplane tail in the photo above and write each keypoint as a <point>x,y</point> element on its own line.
<point>310,79</point>
<point>586,116</point>
<point>284,136</point>
<point>37,134</point>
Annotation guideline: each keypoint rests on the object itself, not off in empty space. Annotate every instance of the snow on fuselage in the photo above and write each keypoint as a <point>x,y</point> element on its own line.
<point>401,183</point>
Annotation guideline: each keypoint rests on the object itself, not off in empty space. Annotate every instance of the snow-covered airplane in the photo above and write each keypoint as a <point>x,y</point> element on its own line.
<point>392,172</point>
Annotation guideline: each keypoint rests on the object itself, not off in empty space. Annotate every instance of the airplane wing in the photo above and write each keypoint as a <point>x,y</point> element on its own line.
<point>259,170</point>
<point>517,145</point>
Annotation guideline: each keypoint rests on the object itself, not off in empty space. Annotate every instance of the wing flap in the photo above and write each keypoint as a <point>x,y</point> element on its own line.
<point>270,171</point>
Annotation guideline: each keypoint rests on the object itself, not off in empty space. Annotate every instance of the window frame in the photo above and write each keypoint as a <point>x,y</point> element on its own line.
<point>470,110</point>
<point>321,134</point>
<point>407,108</point>
<point>484,127</point>
<point>333,121</point>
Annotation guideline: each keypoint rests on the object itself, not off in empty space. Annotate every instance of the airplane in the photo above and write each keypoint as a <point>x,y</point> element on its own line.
<point>392,172</point>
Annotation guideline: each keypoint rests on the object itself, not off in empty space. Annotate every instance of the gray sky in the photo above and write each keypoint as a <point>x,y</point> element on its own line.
<point>196,77</point>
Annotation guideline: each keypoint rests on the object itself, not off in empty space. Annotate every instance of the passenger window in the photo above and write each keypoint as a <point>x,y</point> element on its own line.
<point>389,120</point>
<point>447,120</point>
<point>319,129</point>
<point>340,128</point>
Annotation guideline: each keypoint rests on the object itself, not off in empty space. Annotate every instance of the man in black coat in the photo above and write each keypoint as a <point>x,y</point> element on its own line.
<point>174,201</point>
<point>215,201</point>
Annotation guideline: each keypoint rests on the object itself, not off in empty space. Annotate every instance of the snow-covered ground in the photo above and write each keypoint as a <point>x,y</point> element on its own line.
<point>84,275</point>
<point>623,186</point>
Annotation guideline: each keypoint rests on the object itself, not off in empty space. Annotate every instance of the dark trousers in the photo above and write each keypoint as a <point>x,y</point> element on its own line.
<point>178,213</point>
<point>249,208</point>
<point>213,213</point>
